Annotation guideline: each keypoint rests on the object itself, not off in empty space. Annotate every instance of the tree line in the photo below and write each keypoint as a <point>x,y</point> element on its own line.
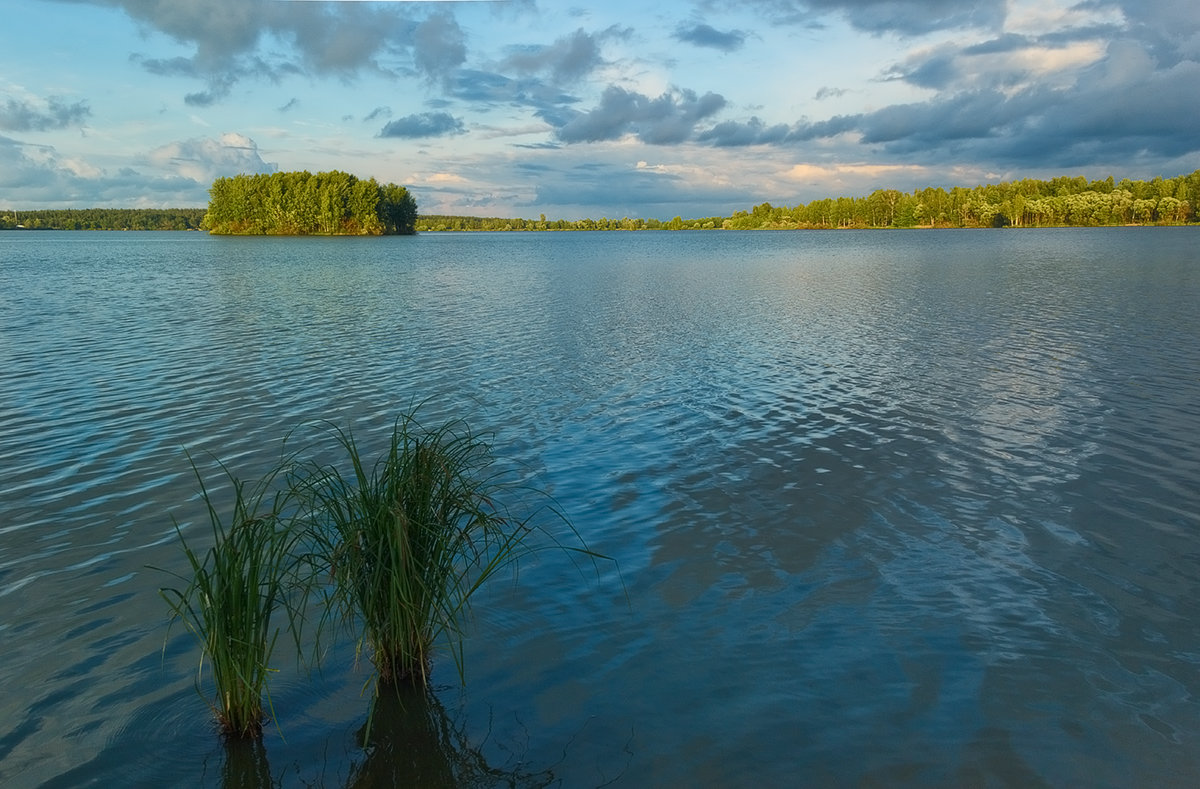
<point>103,219</point>
<point>300,203</point>
<point>439,222</point>
<point>1058,202</point>
<point>331,203</point>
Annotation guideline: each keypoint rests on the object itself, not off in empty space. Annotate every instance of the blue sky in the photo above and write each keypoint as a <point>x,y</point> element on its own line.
<point>589,109</point>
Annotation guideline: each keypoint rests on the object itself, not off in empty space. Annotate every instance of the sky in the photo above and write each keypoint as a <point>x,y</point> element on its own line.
<point>516,108</point>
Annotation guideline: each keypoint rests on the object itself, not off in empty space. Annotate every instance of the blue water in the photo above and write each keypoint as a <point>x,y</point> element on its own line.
<point>901,508</point>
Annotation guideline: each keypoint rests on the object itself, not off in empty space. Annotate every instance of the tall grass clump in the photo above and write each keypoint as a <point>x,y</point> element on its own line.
<point>407,540</point>
<point>230,601</point>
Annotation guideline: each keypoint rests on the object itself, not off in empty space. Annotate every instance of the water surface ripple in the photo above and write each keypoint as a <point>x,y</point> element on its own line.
<point>888,508</point>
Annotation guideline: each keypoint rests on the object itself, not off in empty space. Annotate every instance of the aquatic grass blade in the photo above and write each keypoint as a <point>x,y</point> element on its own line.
<point>408,540</point>
<point>234,591</point>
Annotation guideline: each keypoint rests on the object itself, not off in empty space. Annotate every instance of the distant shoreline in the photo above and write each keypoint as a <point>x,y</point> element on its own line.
<point>606,230</point>
<point>1055,203</point>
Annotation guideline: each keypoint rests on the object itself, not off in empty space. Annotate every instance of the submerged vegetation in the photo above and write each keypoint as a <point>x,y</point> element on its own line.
<point>392,550</point>
<point>300,203</point>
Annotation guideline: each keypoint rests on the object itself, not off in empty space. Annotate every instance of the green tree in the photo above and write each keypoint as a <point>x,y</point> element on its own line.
<point>299,203</point>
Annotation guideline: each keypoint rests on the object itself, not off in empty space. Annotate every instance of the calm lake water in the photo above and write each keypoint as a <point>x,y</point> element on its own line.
<point>887,508</point>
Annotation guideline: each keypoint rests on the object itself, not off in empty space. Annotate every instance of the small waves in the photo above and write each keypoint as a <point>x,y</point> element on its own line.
<point>905,489</point>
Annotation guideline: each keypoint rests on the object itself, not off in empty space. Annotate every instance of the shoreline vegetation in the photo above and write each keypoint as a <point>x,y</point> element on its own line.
<point>337,203</point>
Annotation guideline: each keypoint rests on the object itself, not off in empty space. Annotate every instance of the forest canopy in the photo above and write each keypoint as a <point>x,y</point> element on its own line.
<point>103,219</point>
<point>1058,202</point>
<point>303,204</point>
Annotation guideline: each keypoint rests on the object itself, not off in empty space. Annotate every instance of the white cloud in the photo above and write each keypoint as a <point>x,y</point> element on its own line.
<point>205,159</point>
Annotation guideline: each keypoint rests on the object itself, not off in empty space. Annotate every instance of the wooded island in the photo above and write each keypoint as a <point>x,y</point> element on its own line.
<point>303,204</point>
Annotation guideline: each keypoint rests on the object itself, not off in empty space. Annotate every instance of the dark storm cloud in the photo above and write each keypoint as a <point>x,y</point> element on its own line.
<point>425,124</point>
<point>670,118</point>
<point>53,113</point>
<point>703,35</point>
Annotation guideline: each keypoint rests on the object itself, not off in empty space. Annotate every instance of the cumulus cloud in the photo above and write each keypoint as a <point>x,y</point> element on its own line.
<point>18,170</point>
<point>45,177</point>
<point>1122,109</point>
<point>439,46</point>
<point>756,132</point>
<point>487,88</point>
<point>670,118</point>
<point>1002,63</point>
<point>326,38</point>
<point>1018,100</point>
<point>1117,82</point>
<point>751,132</point>
<point>568,59</point>
<point>24,115</point>
<point>1169,28</point>
<point>205,159</point>
<point>703,35</point>
<point>425,124</point>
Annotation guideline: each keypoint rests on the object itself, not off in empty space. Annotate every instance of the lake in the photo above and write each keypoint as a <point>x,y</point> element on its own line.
<point>886,508</point>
